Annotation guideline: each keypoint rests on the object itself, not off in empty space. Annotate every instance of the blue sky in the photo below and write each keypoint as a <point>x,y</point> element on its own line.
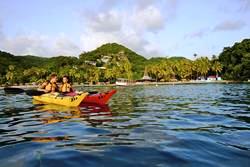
<point>150,27</point>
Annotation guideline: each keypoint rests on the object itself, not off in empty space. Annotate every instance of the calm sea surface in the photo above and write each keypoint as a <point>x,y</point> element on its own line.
<point>173,125</point>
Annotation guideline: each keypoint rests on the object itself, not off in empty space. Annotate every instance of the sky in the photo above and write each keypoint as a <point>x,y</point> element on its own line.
<point>151,28</point>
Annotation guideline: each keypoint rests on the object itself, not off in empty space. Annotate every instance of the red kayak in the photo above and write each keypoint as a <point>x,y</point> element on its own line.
<point>99,98</point>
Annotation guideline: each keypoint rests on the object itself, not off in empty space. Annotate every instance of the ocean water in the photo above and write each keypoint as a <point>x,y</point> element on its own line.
<point>146,126</point>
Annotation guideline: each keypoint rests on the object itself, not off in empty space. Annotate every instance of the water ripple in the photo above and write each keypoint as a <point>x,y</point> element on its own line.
<point>173,125</point>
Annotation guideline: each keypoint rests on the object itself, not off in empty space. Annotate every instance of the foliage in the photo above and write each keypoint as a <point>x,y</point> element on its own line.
<point>236,61</point>
<point>112,61</point>
<point>112,50</point>
<point>182,69</point>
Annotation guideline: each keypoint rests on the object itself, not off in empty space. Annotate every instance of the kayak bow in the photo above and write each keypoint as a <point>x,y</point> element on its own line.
<point>99,98</point>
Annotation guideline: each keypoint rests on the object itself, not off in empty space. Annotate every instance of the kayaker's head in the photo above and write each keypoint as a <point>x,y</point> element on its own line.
<point>53,78</point>
<point>65,79</point>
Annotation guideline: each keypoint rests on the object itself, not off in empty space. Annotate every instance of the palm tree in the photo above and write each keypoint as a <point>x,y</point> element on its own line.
<point>72,73</point>
<point>195,55</point>
<point>127,67</point>
<point>154,71</point>
<point>184,69</point>
<point>202,66</point>
<point>34,74</point>
<point>166,68</point>
<point>10,73</point>
<point>93,75</point>
<point>217,67</point>
<point>205,66</point>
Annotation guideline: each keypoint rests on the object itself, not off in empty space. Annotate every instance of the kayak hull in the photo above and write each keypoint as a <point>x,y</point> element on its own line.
<point>99,98</point>
<point>70,101</point>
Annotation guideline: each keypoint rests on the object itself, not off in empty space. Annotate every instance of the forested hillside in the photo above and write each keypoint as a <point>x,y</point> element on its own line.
<point>111,61</point>
<point>236,61</point>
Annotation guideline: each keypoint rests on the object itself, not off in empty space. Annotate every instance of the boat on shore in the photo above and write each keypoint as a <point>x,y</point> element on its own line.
<point>123,82</point>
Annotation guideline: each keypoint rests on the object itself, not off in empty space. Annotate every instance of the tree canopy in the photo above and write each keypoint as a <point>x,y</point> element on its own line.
<point>111,61</point>
<point>236,61</point>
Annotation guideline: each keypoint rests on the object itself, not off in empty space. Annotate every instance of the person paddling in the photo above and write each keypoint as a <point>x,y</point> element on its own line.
<point>50,86</point>
<point>66,86</point>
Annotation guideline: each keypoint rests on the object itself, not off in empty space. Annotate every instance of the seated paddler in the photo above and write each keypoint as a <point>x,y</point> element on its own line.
<point>66,86</point>
<point>50,86</point>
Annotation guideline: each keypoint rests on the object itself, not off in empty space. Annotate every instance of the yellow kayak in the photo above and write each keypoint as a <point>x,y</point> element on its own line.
<point>70,101</point>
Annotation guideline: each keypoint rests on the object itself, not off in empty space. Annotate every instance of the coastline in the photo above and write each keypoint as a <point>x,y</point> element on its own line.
<point>143,84</point>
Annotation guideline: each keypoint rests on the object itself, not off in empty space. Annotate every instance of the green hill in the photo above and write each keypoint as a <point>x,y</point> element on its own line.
<point>113,49</point>
<point>120,61</point>
<point>26,62</point>
<point>20,62</point>
<point>177,58</point>
<point>77,68</point>
<point>155,60</point>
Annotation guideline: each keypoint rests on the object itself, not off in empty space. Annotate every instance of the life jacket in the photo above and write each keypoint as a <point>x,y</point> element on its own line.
<point>51,87</point>
<point>65,87</point>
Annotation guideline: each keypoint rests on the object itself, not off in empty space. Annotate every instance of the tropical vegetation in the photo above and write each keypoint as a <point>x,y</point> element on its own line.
<point>236,61</point>
<point>112,61</point>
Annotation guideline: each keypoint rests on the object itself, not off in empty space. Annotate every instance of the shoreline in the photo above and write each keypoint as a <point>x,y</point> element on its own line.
<point>144,84</point>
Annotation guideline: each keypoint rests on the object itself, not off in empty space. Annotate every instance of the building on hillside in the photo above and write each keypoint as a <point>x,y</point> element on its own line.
<point>105,59</point>
<point>123,82</point>
<point>102,68</point>
<point>90,62</point>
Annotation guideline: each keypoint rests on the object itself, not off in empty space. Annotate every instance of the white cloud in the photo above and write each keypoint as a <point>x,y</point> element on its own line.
<point>128,27</point>
<point>130,39</point>
<point>40,45</point>
<point>229,25</point>
<point>148,19</point>
<point>104,21</point>
<point>91,40</point>
<point>25,44</point>
<point>108,23</point>
<point>64,46</point>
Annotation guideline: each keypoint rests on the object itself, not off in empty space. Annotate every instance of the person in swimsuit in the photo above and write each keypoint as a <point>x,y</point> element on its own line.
<point>66,86</point>
<point>51,85</point>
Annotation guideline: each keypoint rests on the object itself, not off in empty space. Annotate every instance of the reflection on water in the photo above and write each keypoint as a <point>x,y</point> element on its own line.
<point>173,125</point>
<point>86,112</point>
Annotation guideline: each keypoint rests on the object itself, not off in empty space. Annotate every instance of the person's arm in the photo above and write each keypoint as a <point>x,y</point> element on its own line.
<point>42,86</point>
<point>48,88</point>
<point>43,90</point>
<point>69,88</point>
<point>60,88</point>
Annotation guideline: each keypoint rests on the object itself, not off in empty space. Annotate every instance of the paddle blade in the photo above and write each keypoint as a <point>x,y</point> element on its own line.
<point>13,90</point>
<point>34,92</point>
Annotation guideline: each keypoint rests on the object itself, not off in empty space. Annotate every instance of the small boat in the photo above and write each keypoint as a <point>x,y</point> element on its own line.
<point>70,101</point>
<point>99,98</point>
<point>122,82</point>
<point>56,98</point>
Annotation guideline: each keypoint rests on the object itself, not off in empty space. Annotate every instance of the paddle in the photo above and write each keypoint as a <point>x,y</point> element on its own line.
<point>34,92</point>
<point>31,92</point>
<point>8,90</point>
